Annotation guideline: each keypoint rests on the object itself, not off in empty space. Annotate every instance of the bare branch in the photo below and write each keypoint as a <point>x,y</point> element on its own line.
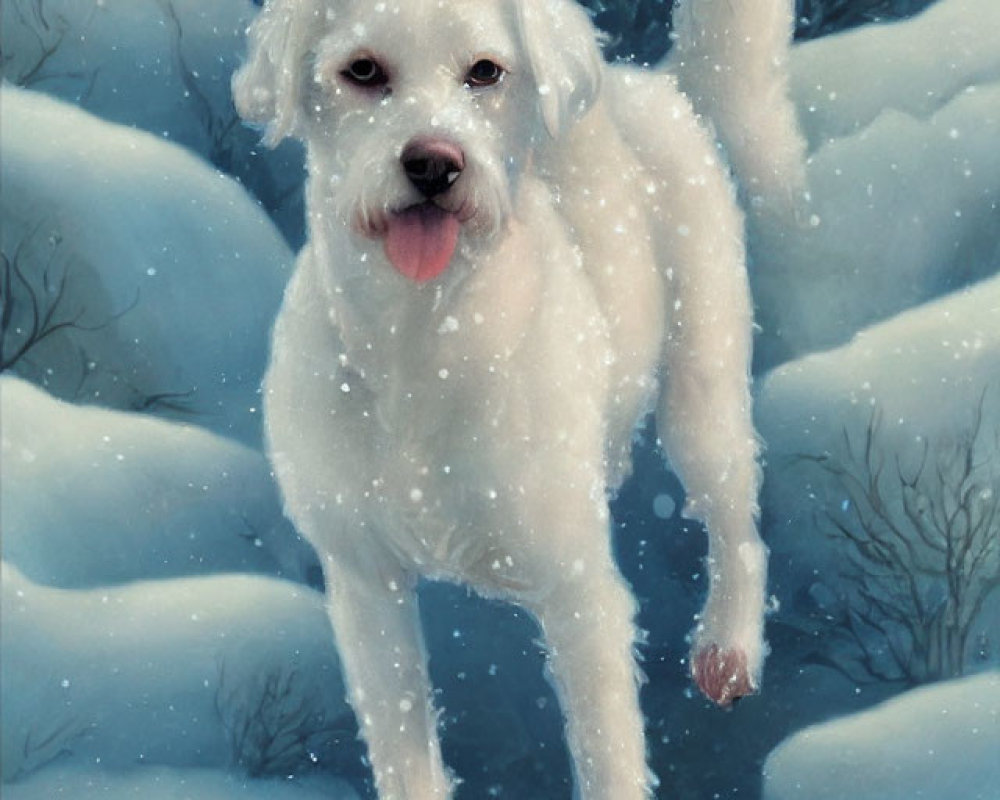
<point>275,724</point>
<point>33,311</point>
<point>43,745</point>
<point>218,127</point>
<point>922,550</point>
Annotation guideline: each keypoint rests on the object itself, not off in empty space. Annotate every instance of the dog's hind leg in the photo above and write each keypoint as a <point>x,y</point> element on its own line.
<point>377,628</point>
<point>587,624</point>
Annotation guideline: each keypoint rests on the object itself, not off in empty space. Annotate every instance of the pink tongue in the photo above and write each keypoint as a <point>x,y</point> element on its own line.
<point>421,240</point>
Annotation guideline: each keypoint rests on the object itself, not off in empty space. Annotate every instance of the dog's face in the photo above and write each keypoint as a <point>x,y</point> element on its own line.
<point>419,115</point>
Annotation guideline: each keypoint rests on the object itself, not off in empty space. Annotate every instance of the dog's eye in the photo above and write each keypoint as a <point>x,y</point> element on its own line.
<point>484,73</point>
<point>366,72</point>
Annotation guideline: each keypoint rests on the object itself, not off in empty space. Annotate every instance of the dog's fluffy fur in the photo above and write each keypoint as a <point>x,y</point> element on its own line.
<point>471,427</point>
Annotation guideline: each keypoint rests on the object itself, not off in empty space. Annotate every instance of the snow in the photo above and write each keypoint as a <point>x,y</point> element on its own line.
<point>902,212</point>
<point>162,66</point>
<point>925,372</point>
<point>129,614</point>
<point>162,783</point>
<point>939,743</point>
<point>172,273</point>
<point>843,83</point>
<point>925,367</point>
<point>152,672</point>
<point>902,122</point>
<point>92,497</point>
<point>106,54</point>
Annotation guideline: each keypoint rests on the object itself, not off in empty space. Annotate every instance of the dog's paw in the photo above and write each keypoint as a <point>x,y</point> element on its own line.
<point>722,675</point>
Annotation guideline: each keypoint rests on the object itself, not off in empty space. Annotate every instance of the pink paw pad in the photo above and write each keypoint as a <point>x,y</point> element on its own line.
<point>722,675</point>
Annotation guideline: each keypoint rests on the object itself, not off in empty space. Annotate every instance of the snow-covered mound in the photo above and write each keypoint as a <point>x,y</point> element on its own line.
<point>163,66</point>
<point>902,212</point>
<point>176,55</point>
<point>156,277</point>
<point>91,496</point>
<point>938,743</point>
<point>162,783</point>
<point>903,121</point>
<point>925,371</point>
<point>842,83</point>
<point>918,383</point>
<point>182,673</point>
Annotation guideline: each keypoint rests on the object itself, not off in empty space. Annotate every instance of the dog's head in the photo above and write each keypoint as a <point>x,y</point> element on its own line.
<point>419,115</point>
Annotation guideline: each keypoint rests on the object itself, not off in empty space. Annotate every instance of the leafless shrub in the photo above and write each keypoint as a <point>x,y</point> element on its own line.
<point>48,35</point>
<point>39,36</point>
<point>33,302</point>
<point>921,552</point>
<point>229,146</point>
<point>43,744</point>
<point>220,125</point>
<point>277,724</point>
<point>40,297</point>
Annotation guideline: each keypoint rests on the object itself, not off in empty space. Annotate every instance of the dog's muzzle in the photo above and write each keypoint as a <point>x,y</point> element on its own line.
<point>420,239</point>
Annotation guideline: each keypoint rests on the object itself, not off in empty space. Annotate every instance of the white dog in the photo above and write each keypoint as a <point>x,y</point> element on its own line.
<point>514,253</point>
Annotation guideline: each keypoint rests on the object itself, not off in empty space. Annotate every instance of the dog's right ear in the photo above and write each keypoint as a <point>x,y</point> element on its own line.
<point>267,88</point>
<point>561,46</point>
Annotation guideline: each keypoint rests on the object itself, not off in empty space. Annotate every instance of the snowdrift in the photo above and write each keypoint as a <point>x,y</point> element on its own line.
<point>198,672</point>
<point>93,497</point>
<point>163,783</point>
<point>160,276</point>
<point>902,212</point>
<point>841,84</point>
<point>922,384</point>
<point>903,179</point>
<point>939,742</point>
<point>162,66</point>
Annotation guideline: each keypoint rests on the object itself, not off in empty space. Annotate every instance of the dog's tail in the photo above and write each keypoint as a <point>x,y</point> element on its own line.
<point>731,58</point>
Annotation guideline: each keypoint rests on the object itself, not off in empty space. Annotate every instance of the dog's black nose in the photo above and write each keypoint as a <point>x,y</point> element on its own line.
<point>432,165</point>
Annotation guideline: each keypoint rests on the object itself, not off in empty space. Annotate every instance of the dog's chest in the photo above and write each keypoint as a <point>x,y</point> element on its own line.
<point>461,394</point>
<point>476,350</point>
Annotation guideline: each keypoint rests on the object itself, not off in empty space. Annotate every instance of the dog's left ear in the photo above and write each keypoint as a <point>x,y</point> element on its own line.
<point>561,45</point>
<point>267,88</point>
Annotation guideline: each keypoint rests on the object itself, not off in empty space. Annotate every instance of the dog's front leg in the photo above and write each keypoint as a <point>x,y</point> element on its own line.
<point>377,628</point>
<point>587,624</point>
